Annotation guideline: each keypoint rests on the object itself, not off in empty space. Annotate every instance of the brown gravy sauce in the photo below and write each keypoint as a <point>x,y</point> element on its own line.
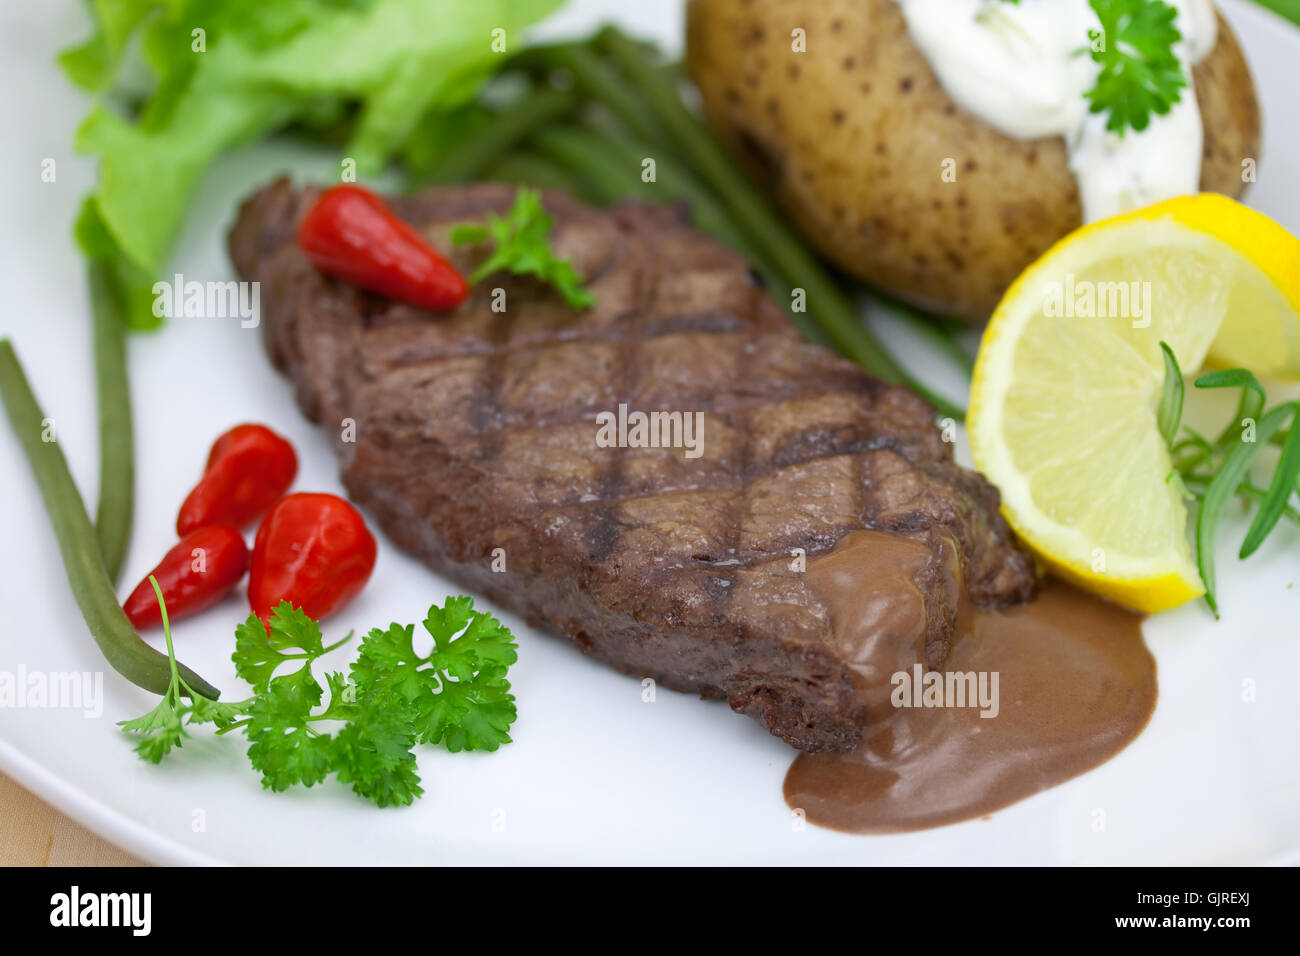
<point>1074,685</point>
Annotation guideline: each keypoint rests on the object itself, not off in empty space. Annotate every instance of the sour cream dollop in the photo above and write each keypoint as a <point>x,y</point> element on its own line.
<point>1017,67</point>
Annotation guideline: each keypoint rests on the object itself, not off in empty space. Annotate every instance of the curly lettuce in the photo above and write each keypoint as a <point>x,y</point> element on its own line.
<point>222,73</point>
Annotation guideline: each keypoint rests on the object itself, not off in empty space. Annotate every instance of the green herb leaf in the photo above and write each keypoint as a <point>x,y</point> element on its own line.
<point>1170,411</point>
<point>1250,406</point>
<point>1140,72</point>
<point>281,741</point>
<point>396,698</point>
<point>1254,492</point>
<point>458,694</point>
<point>1279,491</point>
<point>388,663</point>
<point>163,729</point>
<point>522,248</point>
<point>1222,488</point>
<point>283,744</point>
<point>1218,471</point>
<point>221,714</point>
<point>261,648</point>
<point>373,752</point>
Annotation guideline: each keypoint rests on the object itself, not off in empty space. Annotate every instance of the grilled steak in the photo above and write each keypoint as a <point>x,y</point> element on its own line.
<point>478,431</point>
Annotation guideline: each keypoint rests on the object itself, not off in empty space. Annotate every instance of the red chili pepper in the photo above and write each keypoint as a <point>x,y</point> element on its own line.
<point>201,569</point>
<point>349,232</point>
<point>312,550</point>
<point>249,468</point>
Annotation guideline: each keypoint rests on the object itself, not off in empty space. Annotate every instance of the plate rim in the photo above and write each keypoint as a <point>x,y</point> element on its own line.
<point>119,827</point>
<point>89,811</point>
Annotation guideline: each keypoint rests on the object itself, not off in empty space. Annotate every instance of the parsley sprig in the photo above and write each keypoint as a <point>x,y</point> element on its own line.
<point>457,694</point>
<point>1214,472</point>
<point>522,248</point>
<point>392,699</point>
<point>1140,72</point>
<point>163,728</point>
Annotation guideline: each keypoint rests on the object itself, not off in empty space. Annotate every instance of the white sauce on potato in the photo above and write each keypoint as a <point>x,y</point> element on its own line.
<point>1018,68</point>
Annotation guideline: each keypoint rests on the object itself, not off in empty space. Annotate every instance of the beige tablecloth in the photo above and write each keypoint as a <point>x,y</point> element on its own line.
<point>33,833</point>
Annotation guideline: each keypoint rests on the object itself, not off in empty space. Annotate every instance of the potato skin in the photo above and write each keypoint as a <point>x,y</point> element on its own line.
<point>850,137</point>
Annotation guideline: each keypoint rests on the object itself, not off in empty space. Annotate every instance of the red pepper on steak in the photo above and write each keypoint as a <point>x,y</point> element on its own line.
<point>351,233</point>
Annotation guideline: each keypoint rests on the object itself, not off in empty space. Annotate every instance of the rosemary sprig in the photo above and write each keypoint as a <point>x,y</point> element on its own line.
<point>1278,493</point>
<point>1213,473</point>
<point>1170,412</point>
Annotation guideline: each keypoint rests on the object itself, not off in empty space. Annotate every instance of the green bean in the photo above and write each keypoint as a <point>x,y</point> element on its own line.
<point>593,161</point>
<point>542,59</point>
<point>947,343</point>
<point>751,213</point>
<point>594,76</point>
<point>608,170</point>
<point>675,182</point>
<point>927,327</point>
<point>944,406</point>
<point>473,154</point>
<point>529,169</point>
<point>116,433</point>
<point>941,331</point>
<point>79,545</point>
<point>612,166</point>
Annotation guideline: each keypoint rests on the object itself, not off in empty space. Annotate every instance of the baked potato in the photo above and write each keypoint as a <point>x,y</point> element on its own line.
<point>849,138</point>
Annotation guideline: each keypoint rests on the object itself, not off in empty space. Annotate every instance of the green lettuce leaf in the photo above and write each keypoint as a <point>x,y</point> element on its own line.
<point>255,68</point>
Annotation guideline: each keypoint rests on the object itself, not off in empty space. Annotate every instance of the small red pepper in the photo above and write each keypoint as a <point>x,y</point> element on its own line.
<point>349,232</point>
<point>200,570</point>
<point>249,468</point>
<point>312,550</point>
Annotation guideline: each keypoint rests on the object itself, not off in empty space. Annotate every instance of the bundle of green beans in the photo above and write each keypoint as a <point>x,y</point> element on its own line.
<point>623,107</point>
<point>83,549</point>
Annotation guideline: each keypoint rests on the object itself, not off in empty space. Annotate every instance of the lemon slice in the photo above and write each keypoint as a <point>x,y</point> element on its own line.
<point>1068,379</point>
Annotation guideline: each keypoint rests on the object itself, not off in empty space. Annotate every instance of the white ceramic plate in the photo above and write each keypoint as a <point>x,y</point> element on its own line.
<point>594,775</point>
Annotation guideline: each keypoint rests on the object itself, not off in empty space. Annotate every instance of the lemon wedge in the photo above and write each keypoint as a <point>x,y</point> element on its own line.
<point>1068,380</point>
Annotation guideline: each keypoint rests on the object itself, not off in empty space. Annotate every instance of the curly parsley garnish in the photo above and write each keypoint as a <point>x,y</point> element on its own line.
<point>392,699</point>
<point>1140,72</point>
<point>163,728</point>
<point>522,248</point>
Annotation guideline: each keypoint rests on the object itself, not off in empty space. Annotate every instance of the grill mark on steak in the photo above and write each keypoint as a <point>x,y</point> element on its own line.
<point>477,431</point>
<point>699,397</point>
<point>604,537</point>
